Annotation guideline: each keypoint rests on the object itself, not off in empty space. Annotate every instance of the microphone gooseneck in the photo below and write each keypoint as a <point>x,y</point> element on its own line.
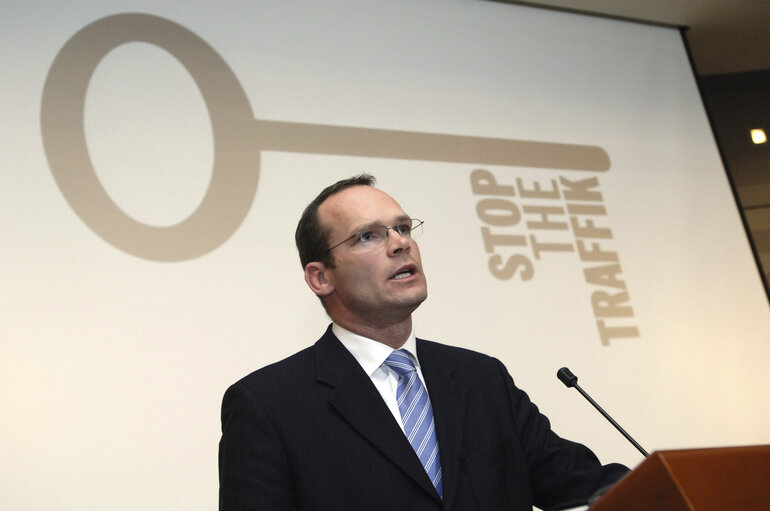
<point>570,380</point>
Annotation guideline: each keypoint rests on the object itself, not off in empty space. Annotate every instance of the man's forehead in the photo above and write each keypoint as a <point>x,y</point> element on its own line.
<point>359,205</point>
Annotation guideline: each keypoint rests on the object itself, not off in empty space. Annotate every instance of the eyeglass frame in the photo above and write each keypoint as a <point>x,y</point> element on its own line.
<point>387,232</point>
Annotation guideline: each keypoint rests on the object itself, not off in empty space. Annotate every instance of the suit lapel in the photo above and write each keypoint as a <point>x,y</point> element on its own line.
<point>448,399</point>
<point>357,400</point>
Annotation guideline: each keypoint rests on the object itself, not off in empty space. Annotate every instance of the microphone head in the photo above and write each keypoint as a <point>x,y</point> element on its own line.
<point>566,377</point>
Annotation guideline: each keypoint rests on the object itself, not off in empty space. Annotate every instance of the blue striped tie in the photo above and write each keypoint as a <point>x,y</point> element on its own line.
<point>416,415</point>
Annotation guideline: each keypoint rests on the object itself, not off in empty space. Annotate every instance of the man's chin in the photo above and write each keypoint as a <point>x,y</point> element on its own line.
<point>413,301</point>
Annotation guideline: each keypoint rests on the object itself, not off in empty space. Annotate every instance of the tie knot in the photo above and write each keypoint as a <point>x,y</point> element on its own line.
<point>401,362</point>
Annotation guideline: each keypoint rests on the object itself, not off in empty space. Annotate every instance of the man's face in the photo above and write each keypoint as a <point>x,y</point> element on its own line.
<point>366,289</point>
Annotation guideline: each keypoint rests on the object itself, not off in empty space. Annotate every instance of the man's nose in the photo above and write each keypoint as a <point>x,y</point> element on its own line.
<point>397,242</point>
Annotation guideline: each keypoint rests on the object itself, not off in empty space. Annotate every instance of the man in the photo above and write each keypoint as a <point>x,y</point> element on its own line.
<point>347,424</point>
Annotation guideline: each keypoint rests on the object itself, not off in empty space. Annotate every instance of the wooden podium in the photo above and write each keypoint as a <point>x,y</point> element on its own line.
<point>720,479</point>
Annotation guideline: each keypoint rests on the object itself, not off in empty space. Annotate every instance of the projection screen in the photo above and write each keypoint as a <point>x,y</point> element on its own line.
<point>157,156</point>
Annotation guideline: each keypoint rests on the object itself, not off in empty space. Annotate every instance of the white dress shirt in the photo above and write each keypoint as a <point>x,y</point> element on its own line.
<point>371,354</point>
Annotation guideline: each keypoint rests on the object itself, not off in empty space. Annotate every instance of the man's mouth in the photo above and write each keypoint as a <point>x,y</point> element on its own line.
<point>403,273</point>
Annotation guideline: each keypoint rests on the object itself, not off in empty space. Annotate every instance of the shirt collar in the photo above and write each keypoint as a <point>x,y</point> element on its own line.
<point>369,353</point>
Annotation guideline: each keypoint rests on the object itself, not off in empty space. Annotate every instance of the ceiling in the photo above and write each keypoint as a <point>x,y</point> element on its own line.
<point>725,36</point>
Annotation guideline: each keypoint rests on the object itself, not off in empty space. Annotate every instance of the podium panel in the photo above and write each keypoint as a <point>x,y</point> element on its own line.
<point>728,478</point>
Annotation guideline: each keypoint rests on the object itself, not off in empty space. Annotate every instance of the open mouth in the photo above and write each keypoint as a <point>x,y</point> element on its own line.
<point>403,273</point>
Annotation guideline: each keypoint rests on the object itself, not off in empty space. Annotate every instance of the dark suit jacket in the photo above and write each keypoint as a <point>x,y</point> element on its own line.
<point>312,433</point>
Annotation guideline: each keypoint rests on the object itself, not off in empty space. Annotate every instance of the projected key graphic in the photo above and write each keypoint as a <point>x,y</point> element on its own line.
<point>239,139</point>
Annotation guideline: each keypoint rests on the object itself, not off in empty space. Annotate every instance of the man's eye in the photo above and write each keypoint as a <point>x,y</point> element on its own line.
<point>403,229</point>
<point>370,235</point>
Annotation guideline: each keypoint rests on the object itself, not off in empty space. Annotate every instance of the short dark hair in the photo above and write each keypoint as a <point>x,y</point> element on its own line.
<point>312,240</point>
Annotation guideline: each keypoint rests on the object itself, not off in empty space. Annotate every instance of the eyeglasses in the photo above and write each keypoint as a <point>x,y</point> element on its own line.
<point>373,237</point>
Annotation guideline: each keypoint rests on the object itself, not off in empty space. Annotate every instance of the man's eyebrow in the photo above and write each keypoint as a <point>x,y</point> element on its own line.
<point>363,227</point>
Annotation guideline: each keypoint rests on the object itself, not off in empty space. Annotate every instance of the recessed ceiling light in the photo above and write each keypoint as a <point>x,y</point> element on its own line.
<point>758,136</point>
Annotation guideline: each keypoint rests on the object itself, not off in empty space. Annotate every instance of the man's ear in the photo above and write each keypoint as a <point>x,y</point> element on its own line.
<point>317,278</point>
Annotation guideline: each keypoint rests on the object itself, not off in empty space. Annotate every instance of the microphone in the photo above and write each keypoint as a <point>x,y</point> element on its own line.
<point>570,380</point>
